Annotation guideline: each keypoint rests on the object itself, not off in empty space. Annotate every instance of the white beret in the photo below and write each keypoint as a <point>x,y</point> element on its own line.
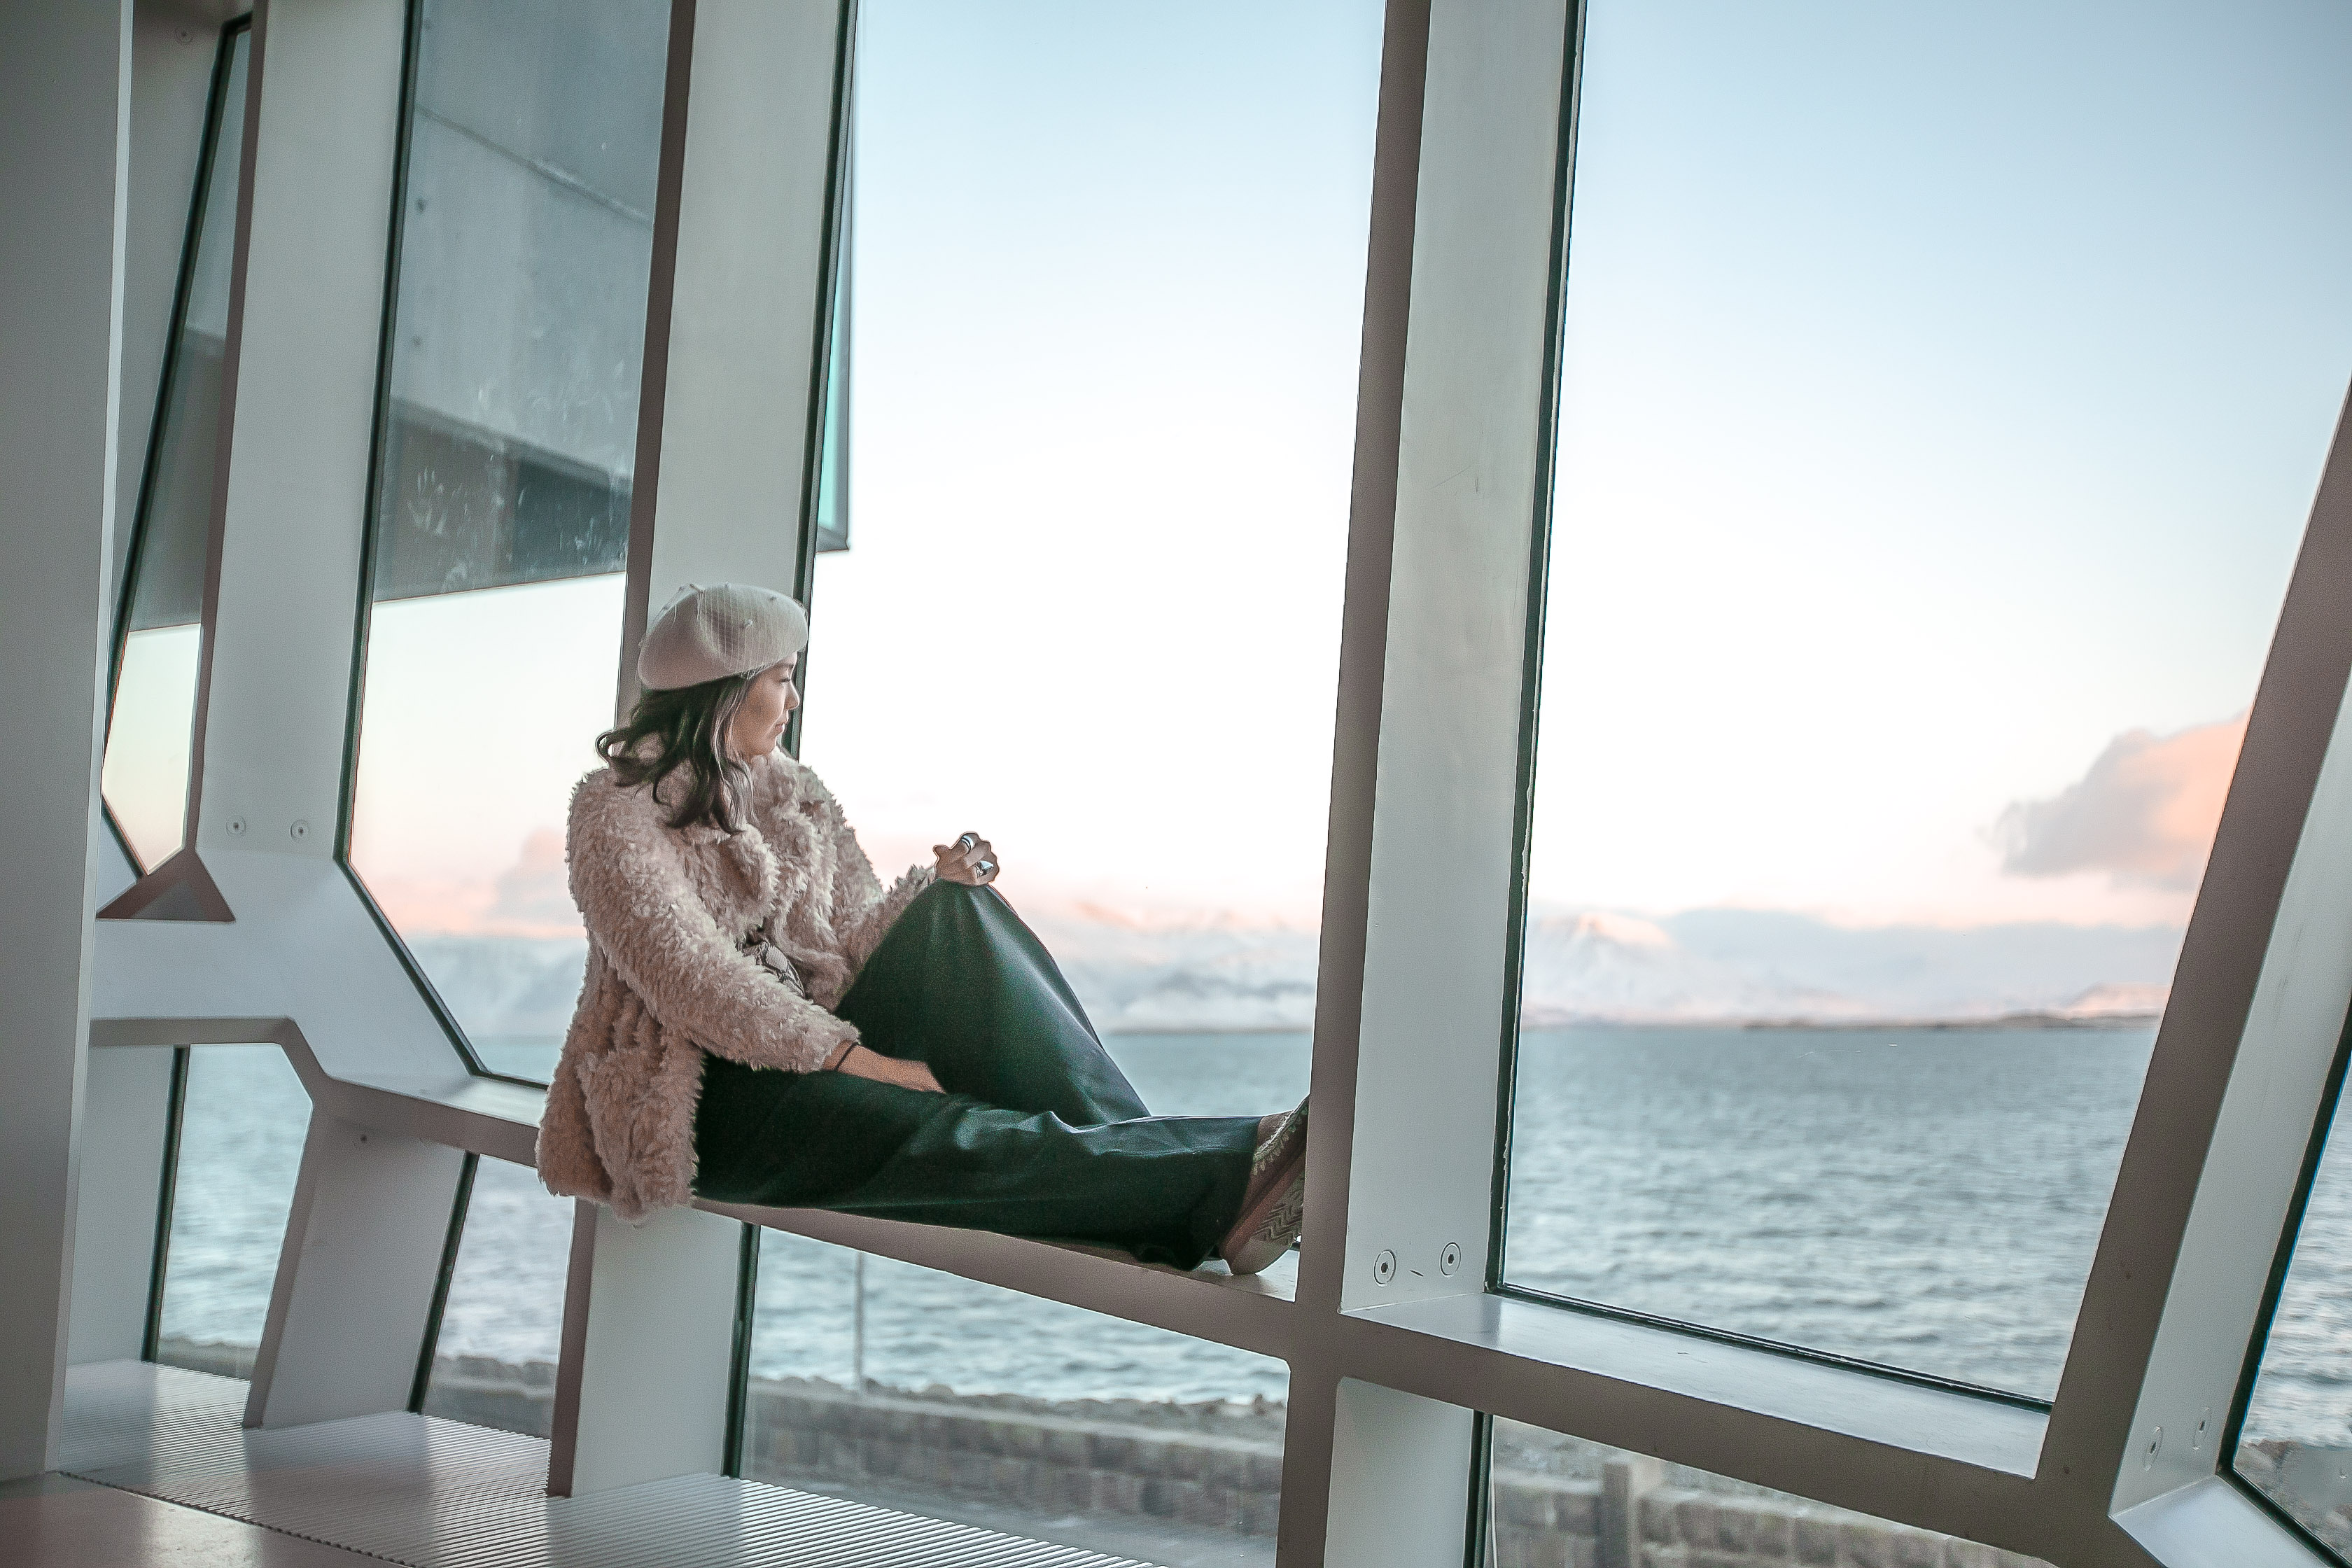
<point>708,634</point>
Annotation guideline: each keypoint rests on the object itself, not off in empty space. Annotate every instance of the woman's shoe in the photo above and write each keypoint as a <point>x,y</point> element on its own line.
<point>1274,1205</point>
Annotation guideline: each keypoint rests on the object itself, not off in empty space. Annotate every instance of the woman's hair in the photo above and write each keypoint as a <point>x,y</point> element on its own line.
<point>688,727</point>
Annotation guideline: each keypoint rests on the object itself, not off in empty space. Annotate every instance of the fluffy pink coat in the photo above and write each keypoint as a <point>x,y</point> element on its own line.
<point>667,912</point>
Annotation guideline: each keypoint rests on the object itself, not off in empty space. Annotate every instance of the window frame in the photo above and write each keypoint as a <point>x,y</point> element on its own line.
<point>216,107</point>
<point>1476,99</point>
<point>2232,1430</point>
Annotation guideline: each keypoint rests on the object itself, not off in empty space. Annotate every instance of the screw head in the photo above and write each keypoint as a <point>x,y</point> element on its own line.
<point>237,828</point>
<point>1384,1267</point>
<point>299,831</point>
<point>1451,1258</point>
<point>2154,1445</point>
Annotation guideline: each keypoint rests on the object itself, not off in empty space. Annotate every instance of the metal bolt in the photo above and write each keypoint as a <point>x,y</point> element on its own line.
<point>237,828</point>
<point>1384,1269</point>
<point>300,830</point>
<point>1451,1258</point>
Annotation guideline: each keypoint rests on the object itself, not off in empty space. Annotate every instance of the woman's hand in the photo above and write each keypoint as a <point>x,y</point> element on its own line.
<point>970,860</point>
<point>862,1063</point>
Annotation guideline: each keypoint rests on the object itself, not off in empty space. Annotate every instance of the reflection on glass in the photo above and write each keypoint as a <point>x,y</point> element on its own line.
<point>502,1326</point>
<point>241,1132</point>
<point>1938,423</point>
<point>2295,1444</point>
<point>1559,1500</point>
<point>150,728</point>
<point>832,446</point>
<point>919,1391</point>
<point>501,525</point>
<point>879,1381</point>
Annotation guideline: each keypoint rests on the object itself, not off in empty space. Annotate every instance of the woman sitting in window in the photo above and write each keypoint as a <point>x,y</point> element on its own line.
<point>763,1024</point>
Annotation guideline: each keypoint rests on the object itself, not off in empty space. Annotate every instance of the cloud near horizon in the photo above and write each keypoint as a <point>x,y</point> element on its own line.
<point>533,896</point>
<point>2144,813</point>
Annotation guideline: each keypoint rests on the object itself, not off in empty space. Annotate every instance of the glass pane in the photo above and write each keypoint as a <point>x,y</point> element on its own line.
<point>880,1381</point>
<point>2295,1444</point>
<point>241,1131</point>
<point>1563,1502</point>
<point>502,1326</point>
<point>833,453</point>
<point>1940,420</point>
<point>150,731</point>
<point>893,1384</point>
<point>501,527</point>
<point>1108,277</point>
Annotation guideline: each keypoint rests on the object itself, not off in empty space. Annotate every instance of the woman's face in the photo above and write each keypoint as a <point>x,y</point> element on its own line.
<point>759,724</point>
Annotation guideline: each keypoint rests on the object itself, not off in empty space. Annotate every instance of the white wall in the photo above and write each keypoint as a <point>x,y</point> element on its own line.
<point>64,122</point>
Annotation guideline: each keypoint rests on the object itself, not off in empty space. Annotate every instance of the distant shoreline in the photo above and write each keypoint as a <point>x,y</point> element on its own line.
<point>2005,1021</point>
<point>1997,1023</point>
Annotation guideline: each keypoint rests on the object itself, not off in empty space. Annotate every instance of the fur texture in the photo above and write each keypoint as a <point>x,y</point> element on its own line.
<point>668,911</point>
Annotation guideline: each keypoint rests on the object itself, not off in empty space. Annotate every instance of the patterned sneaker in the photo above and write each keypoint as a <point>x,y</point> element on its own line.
<point>1276,1136</point>
<point>1274,1205</point>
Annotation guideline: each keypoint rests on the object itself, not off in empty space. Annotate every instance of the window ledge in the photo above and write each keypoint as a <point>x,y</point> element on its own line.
<point>2211,1524</point>
<point>1581,1346</point>
<point>1254,1313</point>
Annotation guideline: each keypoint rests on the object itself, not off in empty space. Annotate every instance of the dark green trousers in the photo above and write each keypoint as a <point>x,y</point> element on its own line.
<point>1038,1134</point>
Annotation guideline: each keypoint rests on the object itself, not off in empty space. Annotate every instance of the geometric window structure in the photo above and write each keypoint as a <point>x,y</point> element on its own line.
<point>1108,259</point>
<point>2292,1446</point>
<point>498,529</point>
<point>159,633</point>
<point>1916,538</point>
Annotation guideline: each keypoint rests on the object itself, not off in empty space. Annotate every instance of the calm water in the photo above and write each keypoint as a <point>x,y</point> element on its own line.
<point>1926,1198</point>
<point>1929,1199</point>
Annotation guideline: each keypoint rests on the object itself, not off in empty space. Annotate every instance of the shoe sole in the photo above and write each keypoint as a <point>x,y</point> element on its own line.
<point>1272,1237</point>
<point>1269,1225</point>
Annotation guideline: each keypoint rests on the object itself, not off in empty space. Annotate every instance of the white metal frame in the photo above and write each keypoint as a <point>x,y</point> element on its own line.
<point>1389,1352</point>
<point>65,111</point>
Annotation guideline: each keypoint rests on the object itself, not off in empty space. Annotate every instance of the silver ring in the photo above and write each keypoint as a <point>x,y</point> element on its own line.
<point>986,869</point>
<point>968,841</point>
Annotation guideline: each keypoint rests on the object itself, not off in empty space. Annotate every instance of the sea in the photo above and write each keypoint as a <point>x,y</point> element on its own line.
<point>1926,1199</point>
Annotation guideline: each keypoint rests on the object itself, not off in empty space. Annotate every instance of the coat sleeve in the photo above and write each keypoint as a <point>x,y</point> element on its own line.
<point>648,924</point>
<point>862,912</point>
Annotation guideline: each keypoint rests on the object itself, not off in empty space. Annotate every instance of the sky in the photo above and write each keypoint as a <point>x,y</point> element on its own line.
<point>1109,284</point>
<point>1943,396</point>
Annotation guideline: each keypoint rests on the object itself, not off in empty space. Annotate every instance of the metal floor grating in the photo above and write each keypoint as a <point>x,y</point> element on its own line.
<point>431,1493</point>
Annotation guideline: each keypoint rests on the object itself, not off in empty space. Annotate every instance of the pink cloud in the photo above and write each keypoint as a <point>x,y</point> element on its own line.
<point>529,898</point>
<point>2144,813</point>
<point>532,896</point>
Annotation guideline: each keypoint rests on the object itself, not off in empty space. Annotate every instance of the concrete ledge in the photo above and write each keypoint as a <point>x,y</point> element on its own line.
<point>1216,1465</point>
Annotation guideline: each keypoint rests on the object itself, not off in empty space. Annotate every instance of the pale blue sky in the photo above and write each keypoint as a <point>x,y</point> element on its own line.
<point>1944,395</point>
<point>1945,391</point>
<point>1109,275</point>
